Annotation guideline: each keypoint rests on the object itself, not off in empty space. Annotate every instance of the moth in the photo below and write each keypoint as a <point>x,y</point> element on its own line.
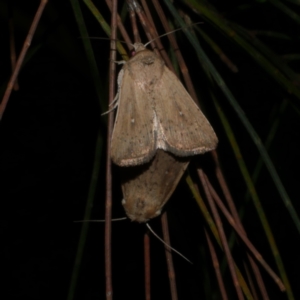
<point>155,112</point>
<point>146,188</point>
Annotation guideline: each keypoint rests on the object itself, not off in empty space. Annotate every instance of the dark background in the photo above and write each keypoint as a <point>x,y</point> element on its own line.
<point>48,135</point>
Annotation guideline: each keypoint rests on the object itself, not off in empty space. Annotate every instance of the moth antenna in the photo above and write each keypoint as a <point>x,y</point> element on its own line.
<point>100,221</point>
<point>110,110</point>
<point>170,33</point>
<point>171,248</point>
<point>109,39</point>
<point>102,38</point>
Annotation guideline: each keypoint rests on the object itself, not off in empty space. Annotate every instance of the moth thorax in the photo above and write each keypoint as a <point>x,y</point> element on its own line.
<point>138,47</point>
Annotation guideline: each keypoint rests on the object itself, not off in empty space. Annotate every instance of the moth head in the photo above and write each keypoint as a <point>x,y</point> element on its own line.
<point>140,211</point>
<point>138,47</point>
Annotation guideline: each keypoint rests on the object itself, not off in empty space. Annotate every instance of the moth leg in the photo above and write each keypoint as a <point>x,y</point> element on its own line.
<point>119,81</point>
<point>115,105</point>
<point>115,102</point>
<point>120,62</point>
<point>115,99</point>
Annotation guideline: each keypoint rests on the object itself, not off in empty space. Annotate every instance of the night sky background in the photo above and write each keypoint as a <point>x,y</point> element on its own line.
<point>47,147</point>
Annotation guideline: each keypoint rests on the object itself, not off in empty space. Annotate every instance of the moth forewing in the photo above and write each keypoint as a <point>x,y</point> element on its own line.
<point>133,137</point>
<point>148,187</point>
<point>156,112</point>
<point>183,127</point>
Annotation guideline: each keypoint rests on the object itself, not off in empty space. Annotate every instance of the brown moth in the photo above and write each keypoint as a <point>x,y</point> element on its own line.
<point>156,112</point>
<point>146,188</point>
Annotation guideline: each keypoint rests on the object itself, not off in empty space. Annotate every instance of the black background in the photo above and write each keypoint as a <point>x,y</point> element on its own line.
<point>48,135</point>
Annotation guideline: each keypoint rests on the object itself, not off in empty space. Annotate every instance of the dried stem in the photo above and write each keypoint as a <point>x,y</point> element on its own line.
<point>148,14</point>
<point>21,57</point>
<point>250,281</point>
<point>12,45</point>
<point>216,266</point>
<point>135,30</point>
<point>121,27</point>
<point>147,266</point>
<point>222,235</point>
<point>236,218</point>
<point>151,33</point>
<point>171,271</point>
<point>108,200</point>
<point>242,235</point>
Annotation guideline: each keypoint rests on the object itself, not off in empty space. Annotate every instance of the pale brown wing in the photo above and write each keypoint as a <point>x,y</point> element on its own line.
<point>148,187</point>
<point>134,138</point>
<point>182,127</point>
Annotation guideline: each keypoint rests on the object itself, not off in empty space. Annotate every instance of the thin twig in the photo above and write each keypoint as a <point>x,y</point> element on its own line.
<point>12,45</point>
<point>243,236</point>
<point>216,266</point>
<point>211,224</point>
<point>225,188</point>
<point>135,31</point>
<point>147,266</point>
<point>134,6</point>
<point>108,200</point>
<point>21,57</point>
<point>121,27</point>
<point>222,235</point>
<point>151,33</point>
<point>171,271</point>
<point>250,281</point>
<point>236,217</point>
<point>148,14</point>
